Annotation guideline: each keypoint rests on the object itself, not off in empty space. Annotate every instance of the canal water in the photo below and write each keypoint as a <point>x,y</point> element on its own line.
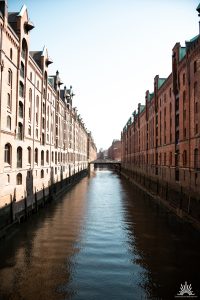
<point>103,240</point>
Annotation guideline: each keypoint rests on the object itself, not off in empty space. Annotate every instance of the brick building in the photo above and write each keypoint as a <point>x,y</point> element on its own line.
<point>42,138</point>
<point>114,151</point>
<point>161,140</point>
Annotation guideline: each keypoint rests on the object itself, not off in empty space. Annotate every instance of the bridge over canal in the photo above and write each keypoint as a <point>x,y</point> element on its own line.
<point>106,163</point>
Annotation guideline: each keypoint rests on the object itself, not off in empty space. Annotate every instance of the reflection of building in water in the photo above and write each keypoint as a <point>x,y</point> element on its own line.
<point>39,263</point>
<point>167,249</point>
<point>43,139</point>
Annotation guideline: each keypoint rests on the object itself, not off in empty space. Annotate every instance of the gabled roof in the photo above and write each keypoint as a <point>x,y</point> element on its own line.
<point>36,55</point>
<point>12,20</point>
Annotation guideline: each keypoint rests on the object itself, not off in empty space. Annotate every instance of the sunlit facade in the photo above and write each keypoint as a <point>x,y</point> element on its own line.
<point>43,140</point>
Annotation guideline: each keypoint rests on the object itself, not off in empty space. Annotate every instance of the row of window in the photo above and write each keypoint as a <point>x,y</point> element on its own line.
<point>162,159</point>
<point>59,157</point>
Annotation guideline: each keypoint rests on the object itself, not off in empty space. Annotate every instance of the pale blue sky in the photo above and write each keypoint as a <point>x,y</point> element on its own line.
<point>109,51</point>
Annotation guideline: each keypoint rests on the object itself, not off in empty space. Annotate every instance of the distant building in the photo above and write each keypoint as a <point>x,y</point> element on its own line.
<point>114,151</point>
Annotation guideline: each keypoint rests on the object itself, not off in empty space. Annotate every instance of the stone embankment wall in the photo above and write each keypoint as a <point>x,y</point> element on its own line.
<point>18,211</point>
<point>182,201</point>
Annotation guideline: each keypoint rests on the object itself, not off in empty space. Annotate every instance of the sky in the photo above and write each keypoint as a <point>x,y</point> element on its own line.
<point>109,51</point>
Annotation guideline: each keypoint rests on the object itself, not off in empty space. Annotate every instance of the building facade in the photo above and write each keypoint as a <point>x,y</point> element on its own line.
<point>114,151</point>
<point>42,138</point>
<point>161,140</point>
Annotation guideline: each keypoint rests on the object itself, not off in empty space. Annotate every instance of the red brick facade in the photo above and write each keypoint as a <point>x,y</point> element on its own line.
<point>114,151</point>
<point>162,139</point>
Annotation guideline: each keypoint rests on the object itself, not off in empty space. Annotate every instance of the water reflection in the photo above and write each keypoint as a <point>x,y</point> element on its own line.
<point>103,240</point>
<point>37,259</point>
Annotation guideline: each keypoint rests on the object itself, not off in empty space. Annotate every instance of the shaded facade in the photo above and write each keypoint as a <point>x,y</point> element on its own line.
<point>161,140</point>
<point>42,138</point>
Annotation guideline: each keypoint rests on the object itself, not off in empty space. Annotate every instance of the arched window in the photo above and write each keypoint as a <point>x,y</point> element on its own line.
<point>7,153</point>
<point>42,158</point>
<point>24,49</point>
<point>42,173</point>
<point>20,130</point>
<point>36,155</point>
<point>29,155</point>
<point>19,179</point>
<point>22,70</point>
<point>19,157</point>
<point>196,158</point>
<point>9,77</point>
<point>21,89</point>
<point>9,122</point>
<point>47,156</point>
<point>21,109</point>
<point>8,178</point>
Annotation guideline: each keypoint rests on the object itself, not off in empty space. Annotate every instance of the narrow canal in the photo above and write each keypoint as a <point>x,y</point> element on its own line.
<point>103,240</point>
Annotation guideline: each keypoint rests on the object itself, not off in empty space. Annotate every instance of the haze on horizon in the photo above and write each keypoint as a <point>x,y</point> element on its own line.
<point>109,51</point>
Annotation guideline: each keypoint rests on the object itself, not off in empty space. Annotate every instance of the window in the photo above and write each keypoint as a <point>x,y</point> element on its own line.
<point>195,90</point>
<point>29,155</point>
<point>30,104</point>
<point>43,139</point>
<point>36,118</point>
<point>36,132</point>
<point>42,158</point>
<point>19,179</point>
<point>9,77</point>
<point>29,130</point>
<point>52,156</point>
<point>196,107</point>
<point>196,128</point>
<point>43,123</point>
<point>24,49</point>
<point>47,156</point>
<point>184,158</point>
<point>42,173</point>
<point>9,122</point>
<point>31,76</point>
<point>165,158</point>
<point>196,158</point>
<point>20,131</point>
<point>36,155</point>
<point>170,158</point>
<point>21,89</point>
<point>55,157</point>
<point>7,154</point>
<point>195,66</point>
<point>21,108</point>
<point>19,157</point>
<point>8,178</point>
<point>8,100</point>
<point>11,53</point>
<point>22,70</point>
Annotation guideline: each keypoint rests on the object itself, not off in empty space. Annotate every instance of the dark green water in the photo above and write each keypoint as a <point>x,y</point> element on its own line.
<point>103,240</point>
